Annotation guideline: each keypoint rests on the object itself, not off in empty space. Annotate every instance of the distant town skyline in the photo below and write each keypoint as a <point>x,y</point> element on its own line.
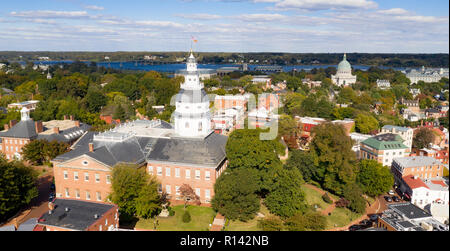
<point>293,26</point>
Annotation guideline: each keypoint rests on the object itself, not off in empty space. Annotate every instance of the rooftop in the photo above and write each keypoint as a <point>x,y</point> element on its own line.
<point>416,161</point>
<point>80,214</point>
<point>386,141</point>
<point>397,128</point>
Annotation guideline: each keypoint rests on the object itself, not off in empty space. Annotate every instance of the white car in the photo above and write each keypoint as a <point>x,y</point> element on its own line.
<point>391,192</point>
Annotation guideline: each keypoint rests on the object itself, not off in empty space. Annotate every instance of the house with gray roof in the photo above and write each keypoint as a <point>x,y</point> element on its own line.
<point>18,134</point>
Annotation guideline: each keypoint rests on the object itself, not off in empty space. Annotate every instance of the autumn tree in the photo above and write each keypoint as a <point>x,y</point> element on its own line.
<point>423,137</point>
<point>188,194</point>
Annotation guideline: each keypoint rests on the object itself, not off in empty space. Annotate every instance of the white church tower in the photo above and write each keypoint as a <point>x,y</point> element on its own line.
<point>192,116</point>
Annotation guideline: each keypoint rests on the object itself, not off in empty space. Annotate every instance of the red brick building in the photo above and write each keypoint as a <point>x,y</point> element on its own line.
<point>75,215</point>
<point>17,135</point>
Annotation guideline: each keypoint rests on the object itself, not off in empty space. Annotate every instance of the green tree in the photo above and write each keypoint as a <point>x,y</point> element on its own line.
<point>365,123</point>
<point>353,193</point>
<point>305,162</point>
<point>271,223</point>
<point>235,194</point>
<point>287,197</point>
<point>134,192</point>
<point>309,221</point>
<point>148,202</point>
<point>40,151</point>
<point>374,178</point>
<point>245,150</point>
<point>17,187</point>
<point>119,113</point>
<point>95,100</point>
<point>336,166</point>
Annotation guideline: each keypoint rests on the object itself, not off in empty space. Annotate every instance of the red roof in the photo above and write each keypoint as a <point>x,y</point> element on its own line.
<point>38,228</point>
<point>439,182</point>
<point>414,183</point>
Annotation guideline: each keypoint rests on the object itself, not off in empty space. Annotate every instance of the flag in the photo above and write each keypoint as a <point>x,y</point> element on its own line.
<point>193,39</point>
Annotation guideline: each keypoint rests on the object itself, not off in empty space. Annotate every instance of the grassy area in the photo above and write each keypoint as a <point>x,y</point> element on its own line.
<point>341,217</point>
<point>313,197</point>
<point>201,217</point>
<point>251,225</point>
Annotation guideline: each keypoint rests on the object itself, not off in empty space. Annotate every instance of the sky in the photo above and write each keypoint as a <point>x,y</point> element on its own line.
<point>296,26</point>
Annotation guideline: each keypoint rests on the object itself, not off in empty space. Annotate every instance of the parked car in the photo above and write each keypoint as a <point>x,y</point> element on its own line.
<point>396,199</point>
<point>355,227</point>
<point>51,197</point>
<point>388,198</point>
<point>391,192</point>
<point>366,223</point>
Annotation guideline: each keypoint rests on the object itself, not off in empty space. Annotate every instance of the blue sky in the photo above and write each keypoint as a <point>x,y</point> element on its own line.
<point>320,26</point>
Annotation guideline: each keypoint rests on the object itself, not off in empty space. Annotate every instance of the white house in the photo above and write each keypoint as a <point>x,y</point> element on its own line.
<point>427,191</point>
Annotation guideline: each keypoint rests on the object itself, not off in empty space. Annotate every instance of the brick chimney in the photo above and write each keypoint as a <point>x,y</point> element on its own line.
<point>91,147</point>
<point>71,117</point>
<point>39,127</point>
<point>12,123</point>
<point>6,127</point>
<point>66,117</point>
<point>56,130</point>
<point>77,123</point>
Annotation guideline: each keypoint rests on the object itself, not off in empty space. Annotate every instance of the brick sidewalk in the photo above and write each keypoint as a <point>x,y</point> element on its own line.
<point>218,223</point>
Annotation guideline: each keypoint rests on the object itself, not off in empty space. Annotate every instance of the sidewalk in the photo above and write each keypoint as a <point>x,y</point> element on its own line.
<point>218,223</point>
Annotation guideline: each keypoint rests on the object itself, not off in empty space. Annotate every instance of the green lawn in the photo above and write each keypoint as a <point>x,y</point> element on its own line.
<point>313,197</point>
<point>251,225</point>
<point>341,217</point>
<point>201,217</point>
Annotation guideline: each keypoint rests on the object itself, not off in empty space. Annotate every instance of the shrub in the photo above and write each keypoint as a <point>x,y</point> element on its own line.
<point>327,198</point>
<point>271,224</point>
<point>171,212</point>
<point>342,202</point>
<point>186,217</point>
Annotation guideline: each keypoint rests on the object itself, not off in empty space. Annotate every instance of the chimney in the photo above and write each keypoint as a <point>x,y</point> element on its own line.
<point>6,126</point>
<point>12,123</point>
<point>39,127</point>
<point>91,147</point>
<point>66,117</point>
<point>71,117</point>
<point>96,216</point>
<point>56,130</point>
<point>77,123</point>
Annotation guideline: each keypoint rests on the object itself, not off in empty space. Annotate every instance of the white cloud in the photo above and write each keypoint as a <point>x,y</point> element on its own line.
<point>199,16</point>
<point>94,7</point>
<point>315,5</point>
<point>262,17</point>
<point>51,14</point>
<point>394,11</point>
